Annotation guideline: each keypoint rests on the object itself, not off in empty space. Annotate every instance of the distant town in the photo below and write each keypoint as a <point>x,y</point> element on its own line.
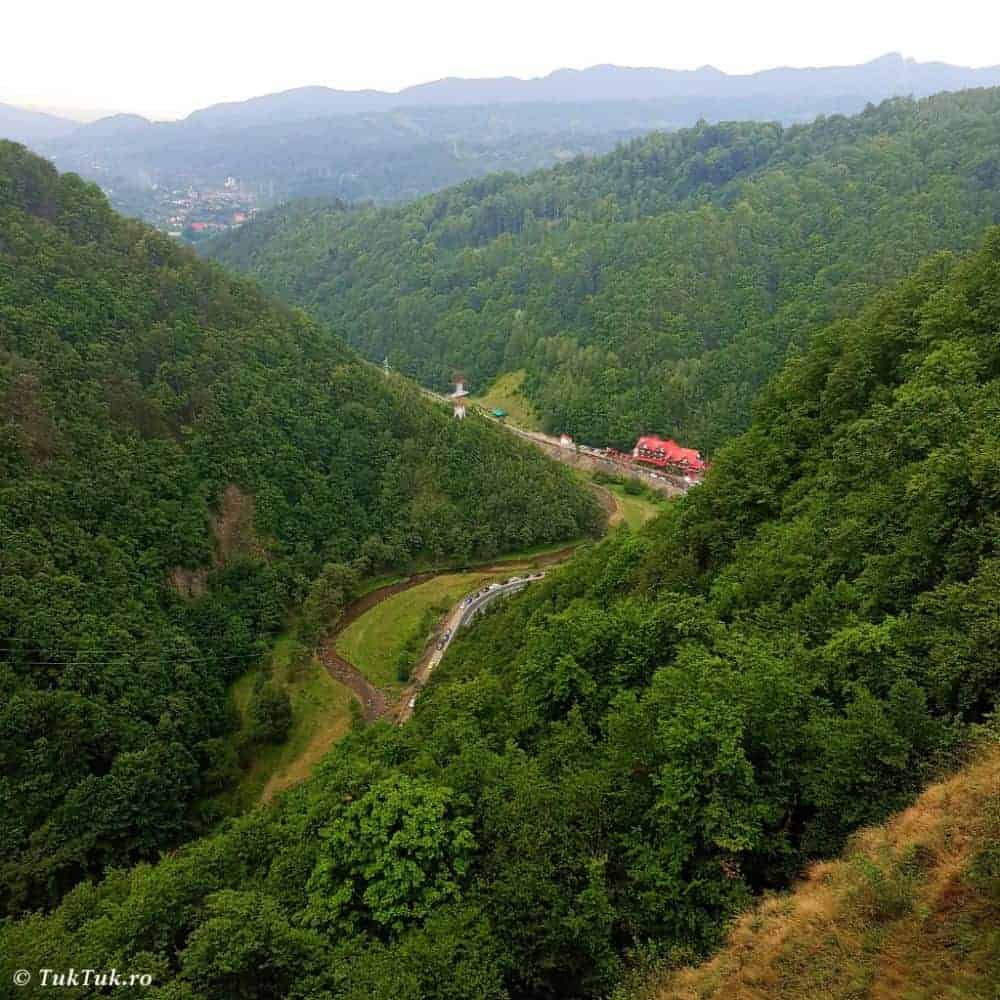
<point>195,213</point>
<point>191,213</point>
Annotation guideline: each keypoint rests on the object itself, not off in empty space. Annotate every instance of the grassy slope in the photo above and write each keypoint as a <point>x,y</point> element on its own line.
<point>911,912</point>
<point>634,511</point>
<point>373,642</point>
<point>321,715</point>
<point>505,392</point>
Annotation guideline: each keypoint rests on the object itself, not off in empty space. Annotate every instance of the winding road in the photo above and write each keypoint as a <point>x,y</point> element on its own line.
<point>458,617</point>
<point>375,703</point>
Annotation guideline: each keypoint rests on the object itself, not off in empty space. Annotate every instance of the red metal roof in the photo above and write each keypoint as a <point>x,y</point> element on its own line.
<point>672,452</point>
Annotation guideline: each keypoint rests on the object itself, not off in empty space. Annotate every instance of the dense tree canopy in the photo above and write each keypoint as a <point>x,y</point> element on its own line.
<point>655,289</point>
<point>626,752</point>
<point>179,459</point>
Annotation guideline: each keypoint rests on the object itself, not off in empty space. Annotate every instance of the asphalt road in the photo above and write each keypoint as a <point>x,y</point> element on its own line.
<point>467,613</point>
<point>462,615</point>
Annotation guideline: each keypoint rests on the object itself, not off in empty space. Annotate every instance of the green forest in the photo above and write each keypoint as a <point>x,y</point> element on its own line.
<point>605,770</point>
<point>655,289</point>
<point>183,464</point>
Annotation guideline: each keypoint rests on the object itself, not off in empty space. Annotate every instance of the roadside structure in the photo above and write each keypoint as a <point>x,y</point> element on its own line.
<point>669,454</point>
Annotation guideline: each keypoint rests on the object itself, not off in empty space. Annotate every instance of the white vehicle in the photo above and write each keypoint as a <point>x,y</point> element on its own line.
<point>413,701</point>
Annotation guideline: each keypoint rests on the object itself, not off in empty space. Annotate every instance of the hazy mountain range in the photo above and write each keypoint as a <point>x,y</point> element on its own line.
<point>887,76</point>
<point>370,144</point>
<point>30,127</point>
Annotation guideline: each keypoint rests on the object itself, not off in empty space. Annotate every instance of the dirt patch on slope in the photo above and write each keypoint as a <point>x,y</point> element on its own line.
<point>23,406</point>
<point>233,527</point>
<point>373,701</point>
<point>189,583</point>
<point>610,504</point>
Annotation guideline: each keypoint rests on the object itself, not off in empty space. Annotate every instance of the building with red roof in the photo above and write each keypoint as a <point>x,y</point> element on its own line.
<point>656,451</point>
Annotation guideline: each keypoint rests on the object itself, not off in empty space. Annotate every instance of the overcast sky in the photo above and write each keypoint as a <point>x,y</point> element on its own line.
<point>168,58</point>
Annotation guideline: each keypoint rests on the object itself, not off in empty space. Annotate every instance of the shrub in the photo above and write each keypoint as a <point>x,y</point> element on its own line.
<point>270,713</point>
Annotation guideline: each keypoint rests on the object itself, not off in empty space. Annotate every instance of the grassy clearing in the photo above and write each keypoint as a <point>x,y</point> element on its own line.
<point>321,715</point>
<point>321,707</point>
<point>911,912</point>
<point>635,510</point>
<point>374,642</point>
<point>506,393</point>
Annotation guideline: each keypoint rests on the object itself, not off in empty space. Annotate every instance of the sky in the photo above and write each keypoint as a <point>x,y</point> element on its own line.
<point>166,59</point>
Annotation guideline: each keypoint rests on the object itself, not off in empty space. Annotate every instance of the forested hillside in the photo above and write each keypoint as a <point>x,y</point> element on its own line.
<point>654,289</point>
<point>180,459</point>
<point>607,770</point>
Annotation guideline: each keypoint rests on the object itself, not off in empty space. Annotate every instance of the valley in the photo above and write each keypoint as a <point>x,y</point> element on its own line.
<point>385,646</point>
<point>542,543</point>
<point>177,486</point>
<point>653,290</point>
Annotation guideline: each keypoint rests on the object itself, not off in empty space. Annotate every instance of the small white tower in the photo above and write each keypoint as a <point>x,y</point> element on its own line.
<point>385,365</point>
<point>458,396</point>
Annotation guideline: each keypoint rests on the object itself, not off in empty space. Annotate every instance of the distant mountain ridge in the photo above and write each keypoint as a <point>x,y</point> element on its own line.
<point>890,75</point>
<point>29,127</point>
<point>221,163</point>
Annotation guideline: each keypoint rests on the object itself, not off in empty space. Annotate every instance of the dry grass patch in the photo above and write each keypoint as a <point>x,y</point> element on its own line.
<point>912,912</point>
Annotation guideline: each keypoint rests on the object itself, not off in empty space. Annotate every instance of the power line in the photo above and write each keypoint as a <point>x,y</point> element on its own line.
<point>83,654</point>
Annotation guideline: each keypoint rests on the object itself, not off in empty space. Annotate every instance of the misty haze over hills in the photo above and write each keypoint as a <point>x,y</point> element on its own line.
<point>370,144</point>
<point>30,127</point>
<point>888,76</point>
